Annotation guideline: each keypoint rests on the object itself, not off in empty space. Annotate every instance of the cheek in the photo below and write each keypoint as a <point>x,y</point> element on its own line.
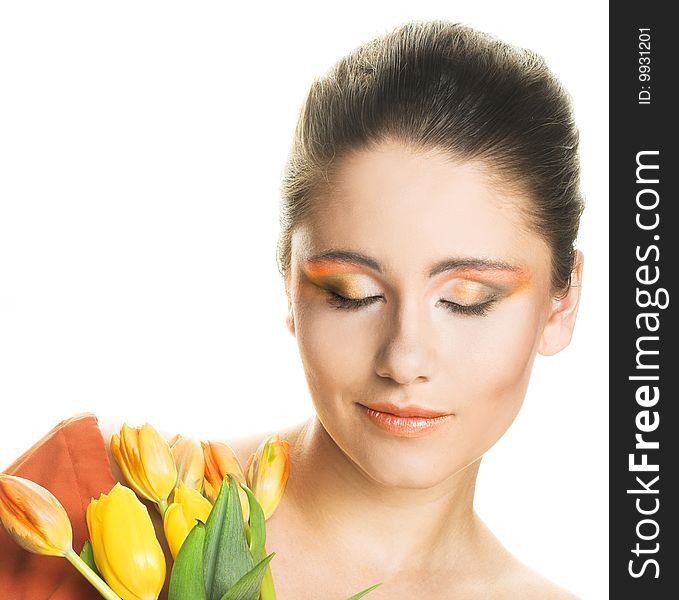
<point>501,346</point>
<point>335,345</point>
<point>492,373</point>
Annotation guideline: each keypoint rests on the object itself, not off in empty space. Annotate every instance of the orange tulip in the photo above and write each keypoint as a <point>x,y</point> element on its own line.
<point>37,521</point>
<point>267,473</point>
<point>220,459</point>
<point>147,462</point>
<point>188,456</point>
<point>33,517</point>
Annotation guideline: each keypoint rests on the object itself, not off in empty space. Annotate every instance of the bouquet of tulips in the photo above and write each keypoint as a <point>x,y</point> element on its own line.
<point>213,514</point>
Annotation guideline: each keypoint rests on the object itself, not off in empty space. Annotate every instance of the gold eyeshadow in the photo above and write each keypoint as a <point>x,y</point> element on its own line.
<point>467,292</point>
<point>349,286</point>
<point>341,279</point>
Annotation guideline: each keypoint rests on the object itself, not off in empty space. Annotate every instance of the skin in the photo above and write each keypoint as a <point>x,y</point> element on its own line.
<point>362,505</point>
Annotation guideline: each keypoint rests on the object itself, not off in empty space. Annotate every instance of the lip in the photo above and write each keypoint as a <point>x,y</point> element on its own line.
<point>405,421</point>
<point>411,410</point>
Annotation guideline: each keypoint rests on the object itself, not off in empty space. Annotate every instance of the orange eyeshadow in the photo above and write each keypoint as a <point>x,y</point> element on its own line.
<point>329,268</point>
<point>501,277</point>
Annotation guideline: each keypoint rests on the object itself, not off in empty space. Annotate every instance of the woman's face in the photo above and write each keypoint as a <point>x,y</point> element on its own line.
<point>416,290</point>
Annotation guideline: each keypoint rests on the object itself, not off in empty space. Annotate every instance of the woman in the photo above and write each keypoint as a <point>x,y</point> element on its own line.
<point>430,207</point>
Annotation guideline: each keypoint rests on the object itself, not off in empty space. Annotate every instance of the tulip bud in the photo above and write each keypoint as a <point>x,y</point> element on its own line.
<point>147,462</point>
<point>124,544</point>
<point>267,473</point>
<point>33,517</point>
<point>188,456</point>
<point>220,459</point>
<point>181,515</point>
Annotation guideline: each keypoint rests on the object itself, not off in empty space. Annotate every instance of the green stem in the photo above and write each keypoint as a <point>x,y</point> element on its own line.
<point>267,591</point>
<point>91,576</point>
<point>162,507</point>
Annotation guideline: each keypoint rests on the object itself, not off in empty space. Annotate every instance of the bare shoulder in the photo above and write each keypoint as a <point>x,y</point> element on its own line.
<point>505,577</point>
<point>530,585</point>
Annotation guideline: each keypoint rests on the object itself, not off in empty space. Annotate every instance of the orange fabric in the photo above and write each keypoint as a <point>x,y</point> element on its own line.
<point>72,463</point>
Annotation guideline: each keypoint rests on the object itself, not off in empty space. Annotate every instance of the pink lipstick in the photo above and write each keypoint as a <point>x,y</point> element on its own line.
<point>408,421</point>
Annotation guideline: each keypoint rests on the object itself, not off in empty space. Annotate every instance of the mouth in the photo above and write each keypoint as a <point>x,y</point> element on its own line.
<point>405,421</point>
<point>408,411</point>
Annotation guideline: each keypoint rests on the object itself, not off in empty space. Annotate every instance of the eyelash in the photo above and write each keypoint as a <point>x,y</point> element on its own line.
<point>340,302</point>
<point>476,310</point>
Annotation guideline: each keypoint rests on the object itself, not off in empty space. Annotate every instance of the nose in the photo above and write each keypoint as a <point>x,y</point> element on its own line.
<point>407,351</point>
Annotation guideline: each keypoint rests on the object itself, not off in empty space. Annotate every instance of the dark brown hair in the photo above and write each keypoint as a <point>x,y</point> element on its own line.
<point>444,86</point>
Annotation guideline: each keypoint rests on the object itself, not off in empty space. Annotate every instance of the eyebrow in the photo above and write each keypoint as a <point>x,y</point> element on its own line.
<point>448,264</point>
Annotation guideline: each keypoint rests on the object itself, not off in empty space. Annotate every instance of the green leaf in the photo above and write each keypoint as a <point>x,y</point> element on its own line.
<point>88,557</point>
<point>257,525</point>
<point>186,581</point>
<point>364,592</point>
<point>267,591</point>
<point>214,524</point>
<point>247,587</point>
<point>226,554</point>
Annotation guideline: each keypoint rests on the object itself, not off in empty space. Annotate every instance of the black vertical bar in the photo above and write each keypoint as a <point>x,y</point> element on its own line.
<point>644,557</point>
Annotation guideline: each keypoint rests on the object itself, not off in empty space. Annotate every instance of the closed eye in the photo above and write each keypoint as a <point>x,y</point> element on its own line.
<point>341,302</point>
<point>479,310</point>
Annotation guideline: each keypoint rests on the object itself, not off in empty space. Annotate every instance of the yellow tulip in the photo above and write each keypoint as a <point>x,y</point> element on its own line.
<point>188,456</point>
<point>267,473</point>
<point>33,517</point>
<point>147,462</point>
<point>180,517</point>
<point>124,545</point>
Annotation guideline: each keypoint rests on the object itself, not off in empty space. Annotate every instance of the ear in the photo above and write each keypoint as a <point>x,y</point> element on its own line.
<point>290,320</point>
<point>290,317</point>
<point>558,329</point>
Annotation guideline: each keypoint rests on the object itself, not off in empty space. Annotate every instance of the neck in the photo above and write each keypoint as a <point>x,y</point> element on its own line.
<point>342,506</point>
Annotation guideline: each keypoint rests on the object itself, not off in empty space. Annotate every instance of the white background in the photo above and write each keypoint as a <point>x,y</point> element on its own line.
<point>141,148</point>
